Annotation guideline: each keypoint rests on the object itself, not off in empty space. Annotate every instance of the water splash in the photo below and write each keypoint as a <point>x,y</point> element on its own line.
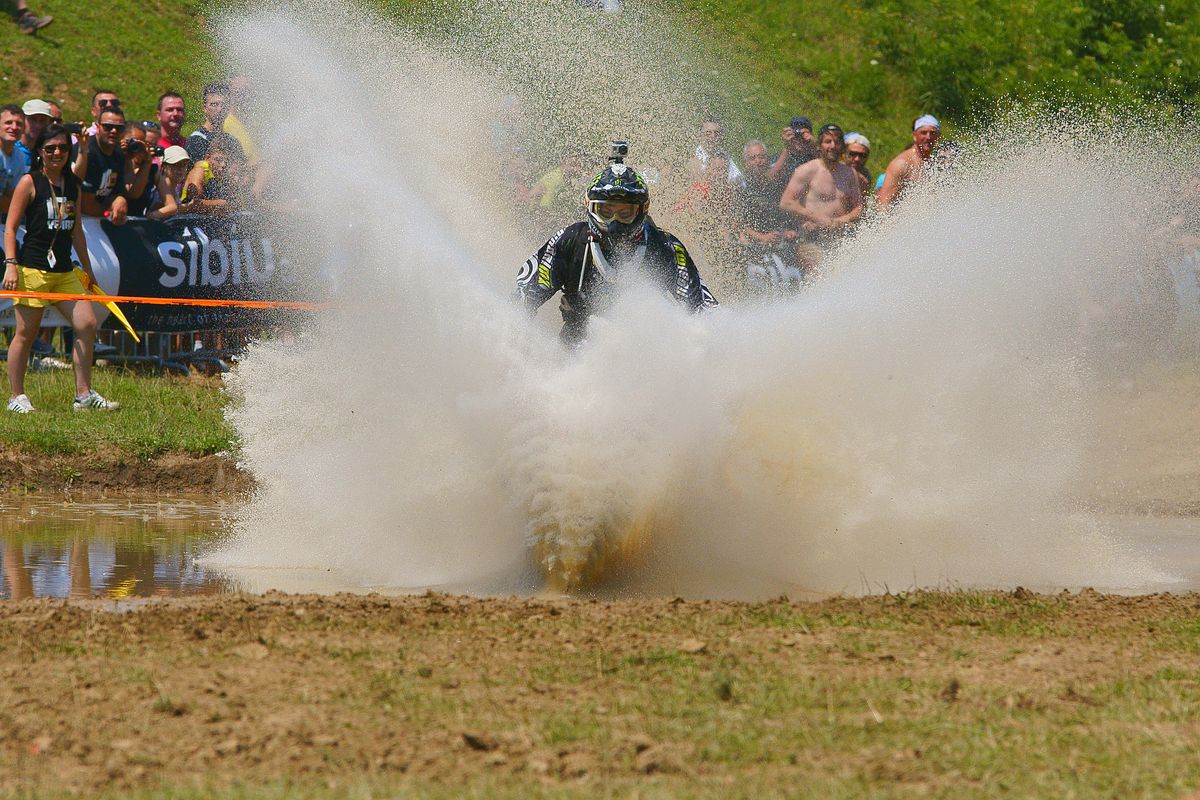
<point>920,417</point>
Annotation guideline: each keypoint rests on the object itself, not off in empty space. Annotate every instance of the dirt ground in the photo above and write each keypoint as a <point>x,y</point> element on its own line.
<point>926,694</point>
<point>110,471</point>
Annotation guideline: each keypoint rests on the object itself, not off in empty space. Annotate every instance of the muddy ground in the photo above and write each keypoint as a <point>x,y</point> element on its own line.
<point>938,695</point>
<point>110,471</point>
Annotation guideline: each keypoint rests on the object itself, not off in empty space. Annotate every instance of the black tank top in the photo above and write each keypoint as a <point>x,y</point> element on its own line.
<point>50,221</point>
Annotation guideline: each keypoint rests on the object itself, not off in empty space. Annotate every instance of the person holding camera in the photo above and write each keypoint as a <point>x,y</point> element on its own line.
<point>140,153</point>
<point>589,261</point>
<point>798,150</point>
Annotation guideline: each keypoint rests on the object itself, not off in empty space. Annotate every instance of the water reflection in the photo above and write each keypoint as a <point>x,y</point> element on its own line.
<point>115,549</point>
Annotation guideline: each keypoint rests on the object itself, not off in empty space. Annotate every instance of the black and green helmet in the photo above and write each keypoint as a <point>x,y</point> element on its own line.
<point>618,183</point>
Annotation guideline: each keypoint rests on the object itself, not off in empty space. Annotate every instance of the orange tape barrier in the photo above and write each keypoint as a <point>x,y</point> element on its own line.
<point>165,301</point>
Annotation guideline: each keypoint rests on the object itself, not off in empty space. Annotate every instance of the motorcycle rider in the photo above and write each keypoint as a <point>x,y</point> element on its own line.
<point>587,260</point>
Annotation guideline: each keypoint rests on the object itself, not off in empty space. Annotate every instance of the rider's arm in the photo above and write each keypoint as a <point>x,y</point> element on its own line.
<point>541,275</point>
<point>688,288</point>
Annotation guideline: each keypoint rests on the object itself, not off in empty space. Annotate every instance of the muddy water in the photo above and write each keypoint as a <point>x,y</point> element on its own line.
<point>114,549</point>
<point>126,549</point>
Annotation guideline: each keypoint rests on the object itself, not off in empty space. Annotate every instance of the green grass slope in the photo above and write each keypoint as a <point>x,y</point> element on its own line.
<point>871,65</point>
<point>874,65</point>
<point>139,48</point>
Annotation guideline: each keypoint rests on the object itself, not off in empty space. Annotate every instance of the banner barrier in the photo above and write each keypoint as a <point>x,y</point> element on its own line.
<point>188,257</point>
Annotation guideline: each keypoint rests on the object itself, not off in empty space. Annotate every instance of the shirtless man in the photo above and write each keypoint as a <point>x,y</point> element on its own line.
<point>908,167</point>
<point>825,198</point>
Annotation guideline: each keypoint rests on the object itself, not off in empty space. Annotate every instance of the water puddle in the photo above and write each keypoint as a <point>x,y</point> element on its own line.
<point>132,550</point>
<point>114,549</point>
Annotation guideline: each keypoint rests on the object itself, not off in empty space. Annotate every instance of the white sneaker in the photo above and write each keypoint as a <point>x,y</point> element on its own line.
<point>92,401</point>
<point>20,404</point>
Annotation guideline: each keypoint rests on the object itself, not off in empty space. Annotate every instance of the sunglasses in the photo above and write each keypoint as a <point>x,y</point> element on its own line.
<point>113,126</point>
<point>852,154</point>
<point>107,103</point>
<point>149,123</point>
<point>51,149</point>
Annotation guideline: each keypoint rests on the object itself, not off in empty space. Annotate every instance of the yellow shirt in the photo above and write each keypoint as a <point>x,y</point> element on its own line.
<point>234,127</point>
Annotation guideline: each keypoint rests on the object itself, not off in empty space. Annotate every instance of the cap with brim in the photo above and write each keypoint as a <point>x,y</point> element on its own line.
<point>857,138</point>
<point>802,122</point>
<point>34,107</point>
<point>927,121</point>
<point>175,155</point>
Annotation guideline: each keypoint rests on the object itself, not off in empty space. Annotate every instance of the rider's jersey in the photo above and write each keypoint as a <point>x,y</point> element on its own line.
<point>573,262</point>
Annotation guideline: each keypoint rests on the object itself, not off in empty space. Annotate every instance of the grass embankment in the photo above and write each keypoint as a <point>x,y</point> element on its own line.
<point>138,48</point>
<point>167,434</point>
<point>874,65</point>
<point>936,695</point>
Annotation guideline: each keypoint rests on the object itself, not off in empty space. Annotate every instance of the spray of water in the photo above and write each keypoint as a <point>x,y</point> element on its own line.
<point>919,417</point>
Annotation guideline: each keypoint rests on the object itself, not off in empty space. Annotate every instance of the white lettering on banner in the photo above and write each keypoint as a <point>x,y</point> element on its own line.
<point>236,261</point>
<point>170,253</point>
<point>214,247</point>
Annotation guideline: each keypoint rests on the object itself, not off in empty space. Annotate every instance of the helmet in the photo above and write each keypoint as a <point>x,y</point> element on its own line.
<point>618,183</point>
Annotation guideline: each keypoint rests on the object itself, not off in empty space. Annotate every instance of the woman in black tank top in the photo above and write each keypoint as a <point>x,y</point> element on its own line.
<point>46,201</point>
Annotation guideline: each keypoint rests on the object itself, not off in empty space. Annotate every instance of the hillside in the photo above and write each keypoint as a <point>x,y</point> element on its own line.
<point>871,65</point>
<point>139,48</point>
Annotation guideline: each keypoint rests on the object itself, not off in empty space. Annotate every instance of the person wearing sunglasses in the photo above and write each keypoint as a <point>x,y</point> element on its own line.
<point>47,202</point>
<point>102,100</point>
<point>858,150</point>
<point>108,173</point>
<point>590,260</point>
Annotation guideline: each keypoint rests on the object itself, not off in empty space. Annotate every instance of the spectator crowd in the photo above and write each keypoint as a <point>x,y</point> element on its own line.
<point>765,218</point>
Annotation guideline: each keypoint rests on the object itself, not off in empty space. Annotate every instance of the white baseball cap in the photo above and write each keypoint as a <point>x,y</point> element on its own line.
<point>175,155</point>
<point>34,107</point>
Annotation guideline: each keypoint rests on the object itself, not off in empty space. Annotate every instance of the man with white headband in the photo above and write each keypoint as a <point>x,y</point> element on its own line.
<point>908,167</point>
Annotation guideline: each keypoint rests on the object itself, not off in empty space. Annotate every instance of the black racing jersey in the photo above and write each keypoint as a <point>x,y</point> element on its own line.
<point>50,220</point>
<point>105,176</point>
<point>573,262</point>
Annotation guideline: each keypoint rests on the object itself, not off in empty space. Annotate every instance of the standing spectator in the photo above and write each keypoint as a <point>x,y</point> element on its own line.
<point>171,177</point>
<point>858,150</point>
<point>766,234</point>
<point>908,167</point>
<point>144,178</point>
<point>216,105</point>
<point>27,21</point>
<point>47,202</point>
<point>13,161</point>
<point>763,220</point>
<point>171,117</point>
<point>37,117</point>
<point>102,100</point>
<point>797,151</point>
<point>239,99</point>
<point>825,197</point>
<point>107,174</point>
<point>710,144</point>
<point>554,194</point>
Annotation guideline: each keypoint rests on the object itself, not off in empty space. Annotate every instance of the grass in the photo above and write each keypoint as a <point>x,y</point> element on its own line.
<point>139,48</point>
<point>159,414</point>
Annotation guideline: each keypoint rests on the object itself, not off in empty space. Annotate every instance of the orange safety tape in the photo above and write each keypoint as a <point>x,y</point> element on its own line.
<point>165,301</point>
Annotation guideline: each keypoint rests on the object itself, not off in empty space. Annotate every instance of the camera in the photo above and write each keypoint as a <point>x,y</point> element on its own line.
<point>134,146</point>
<point>619,152</point>
<point>157,150</point>
<point>73,127</point>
